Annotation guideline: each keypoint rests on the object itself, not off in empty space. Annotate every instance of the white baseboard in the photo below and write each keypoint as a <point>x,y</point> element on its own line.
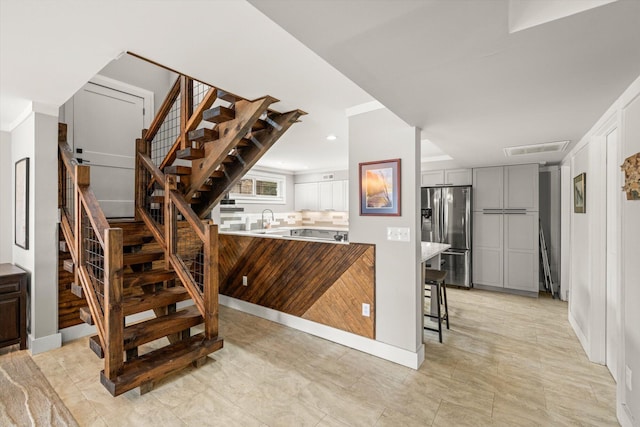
<point>42,344</point>
<point>624,416</point>
<point>376,348</point>
<point>581,336</point>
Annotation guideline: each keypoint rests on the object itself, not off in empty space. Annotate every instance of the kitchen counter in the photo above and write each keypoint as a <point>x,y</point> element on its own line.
<point>430,250</point>
<point>284,233</point>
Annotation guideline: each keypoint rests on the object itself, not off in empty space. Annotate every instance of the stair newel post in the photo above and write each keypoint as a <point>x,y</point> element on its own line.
<point>83,179</point>
<point>114,319</point>
<point>186,109</point>
<point>169,220</point>
<point>210,291</point>
<point>142,147</point>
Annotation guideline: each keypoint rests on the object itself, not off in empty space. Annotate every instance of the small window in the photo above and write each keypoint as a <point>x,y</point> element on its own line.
<point>260,188</point>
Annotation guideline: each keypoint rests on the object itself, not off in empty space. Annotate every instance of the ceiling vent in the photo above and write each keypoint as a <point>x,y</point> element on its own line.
<point>327,177</point>
<point>546,147</point>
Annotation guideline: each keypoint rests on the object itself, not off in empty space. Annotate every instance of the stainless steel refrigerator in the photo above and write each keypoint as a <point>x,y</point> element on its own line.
<point>446,218</point>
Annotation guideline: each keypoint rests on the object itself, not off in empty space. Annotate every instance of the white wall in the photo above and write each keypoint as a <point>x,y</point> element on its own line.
<point>587,250</point>
<point>6,194</point>
<point>380,135</point>
<point>630,400</point>
<point>142,74</point>
<point>36,138</point>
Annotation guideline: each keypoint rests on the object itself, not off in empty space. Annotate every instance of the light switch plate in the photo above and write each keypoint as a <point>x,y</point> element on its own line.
<point>366,310</point>
<point>398,234</point>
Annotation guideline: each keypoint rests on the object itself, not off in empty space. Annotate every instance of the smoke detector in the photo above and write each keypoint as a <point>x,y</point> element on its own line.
<point>545,147</point>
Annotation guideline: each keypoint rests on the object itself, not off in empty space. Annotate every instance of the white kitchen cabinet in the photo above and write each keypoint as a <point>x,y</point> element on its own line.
<point>340,195</point>
<point>521,251</point>
<point>325,195</point>
<point>488,254</point>
<point>505,228</point>
<point>306,196</point>
<point>488,188</point>
<point>457,177</point>
<point>521,187</point>
<point>444,177</point>
<point>432,178</point>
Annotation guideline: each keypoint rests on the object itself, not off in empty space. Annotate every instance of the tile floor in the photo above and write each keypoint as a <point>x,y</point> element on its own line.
<point>507,360</point>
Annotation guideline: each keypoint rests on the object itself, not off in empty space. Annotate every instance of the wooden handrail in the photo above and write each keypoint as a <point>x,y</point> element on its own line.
<point>96,216</point>
<point>67,158</point>
<point>153,169</point>
<point>164,110</point>
<point>194,220</point>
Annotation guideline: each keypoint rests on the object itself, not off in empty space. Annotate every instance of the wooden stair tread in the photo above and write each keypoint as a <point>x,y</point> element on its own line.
<point>203,135</point>
<point>159,298</point>
<point>190,153</point>
<point>160,363</point>
<point>147,277</point>
<point>141,257</point>
<point>158,327</point>
<point>177,170</point>
<point>219,114</point>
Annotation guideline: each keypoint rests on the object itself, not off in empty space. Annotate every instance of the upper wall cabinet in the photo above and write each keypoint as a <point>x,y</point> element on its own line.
<point>444,177</point>
<point>323,196</point>
<point>521,187</point>
<point>488,188</point>
<point>506,187</point>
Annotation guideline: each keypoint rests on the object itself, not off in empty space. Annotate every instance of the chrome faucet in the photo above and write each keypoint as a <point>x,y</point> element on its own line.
<point>273,218</point>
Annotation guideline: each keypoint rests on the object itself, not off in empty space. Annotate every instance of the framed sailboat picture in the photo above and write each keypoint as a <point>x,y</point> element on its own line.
<point>380,188</point>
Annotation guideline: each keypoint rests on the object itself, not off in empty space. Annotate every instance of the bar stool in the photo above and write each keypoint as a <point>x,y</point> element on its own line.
<point>437,278</point>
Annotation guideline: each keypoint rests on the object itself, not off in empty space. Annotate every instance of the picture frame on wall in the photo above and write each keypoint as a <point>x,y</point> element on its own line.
<point>580,193</point>
<point>380,188</point>
<point>22,203</point>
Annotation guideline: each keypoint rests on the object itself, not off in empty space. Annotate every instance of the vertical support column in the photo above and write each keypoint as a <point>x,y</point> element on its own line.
<point>169,219</point>
<point>114,320</point>
<point>139,191</point>
<point>83,178</point>
<point>211,276</point>
<point>186,109</point>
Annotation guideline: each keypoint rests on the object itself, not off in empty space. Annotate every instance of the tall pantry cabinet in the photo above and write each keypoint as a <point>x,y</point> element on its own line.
<point>505,227</point>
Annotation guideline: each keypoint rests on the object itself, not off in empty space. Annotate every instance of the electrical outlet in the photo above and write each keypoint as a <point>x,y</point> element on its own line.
<point>628,377</point>
<point>366,309</point>
<point>244,281</point>
<point>398,234</point>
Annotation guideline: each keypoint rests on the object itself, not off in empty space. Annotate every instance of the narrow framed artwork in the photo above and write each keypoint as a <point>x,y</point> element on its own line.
<point>580,193</point>
<point>380,188</point>
<point>22,203</point>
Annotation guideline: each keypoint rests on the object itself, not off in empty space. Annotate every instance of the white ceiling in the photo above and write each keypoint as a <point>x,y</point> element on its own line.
<point>449,67</point>
<point>453,69</point>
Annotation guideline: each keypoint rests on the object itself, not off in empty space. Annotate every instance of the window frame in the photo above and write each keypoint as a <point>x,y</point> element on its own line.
<point>280,199</point>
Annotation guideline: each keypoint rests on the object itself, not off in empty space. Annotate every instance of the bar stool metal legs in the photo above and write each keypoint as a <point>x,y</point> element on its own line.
<point>436,278</point>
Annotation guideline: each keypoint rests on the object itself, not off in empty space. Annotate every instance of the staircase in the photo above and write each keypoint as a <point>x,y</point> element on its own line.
<point>200,144</point>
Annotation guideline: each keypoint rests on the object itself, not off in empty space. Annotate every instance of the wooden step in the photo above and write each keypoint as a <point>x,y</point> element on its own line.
<point>63,247</point>
<point>228,96</point>
<point>147,277</point>
<point>157,299</point>
<point>259,125</point>
<point>158,327</point>
<point>158,364</point>
<point>217,174</point>
<point>77,290</point>
<point>68,265</point>
<point>157,199</point>
<point>190,153</point>
<point>203,135</point>
<point>141,257</point>
<point>177,170</point>
<point>85,315</point>
<point>228,160</point>
<point>219,114</point>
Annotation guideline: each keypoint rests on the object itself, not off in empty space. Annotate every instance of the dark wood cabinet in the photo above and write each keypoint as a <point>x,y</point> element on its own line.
<point>13,306</point>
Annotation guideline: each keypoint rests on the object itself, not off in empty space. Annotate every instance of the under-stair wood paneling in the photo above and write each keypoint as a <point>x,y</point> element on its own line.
<point>323,282</point>
<point>68,304</point>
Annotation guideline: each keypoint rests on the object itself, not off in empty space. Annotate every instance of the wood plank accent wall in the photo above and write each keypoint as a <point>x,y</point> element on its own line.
<point>323,282</point>
<point>68,304</point>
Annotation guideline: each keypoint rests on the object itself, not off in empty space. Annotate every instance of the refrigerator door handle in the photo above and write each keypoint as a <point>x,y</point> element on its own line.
<point>445,214</point>
<point>436,216</point>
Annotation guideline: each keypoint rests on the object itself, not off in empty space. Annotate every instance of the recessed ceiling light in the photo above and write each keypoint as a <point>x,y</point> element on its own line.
<point>331,137</point>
